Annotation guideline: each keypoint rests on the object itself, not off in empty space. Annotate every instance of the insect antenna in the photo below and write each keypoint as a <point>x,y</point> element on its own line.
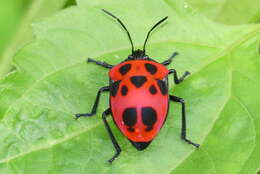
<point>158,23</point>
<point>121,23</point>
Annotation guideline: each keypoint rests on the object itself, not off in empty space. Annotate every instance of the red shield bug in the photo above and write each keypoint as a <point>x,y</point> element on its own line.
<point>139,98</point>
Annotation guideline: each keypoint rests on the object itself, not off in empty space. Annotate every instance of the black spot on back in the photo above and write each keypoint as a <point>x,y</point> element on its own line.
<point>130,129</point>
<point>149,128</point>
<point>115,87</point>
<point>163,87</point>
<point>152,89</point>
<point>151,68</point>
<point>138,81</point>
<point>149,117</point>
<point>130,116</point>
<point>124,69</point>
<point>124,90</point>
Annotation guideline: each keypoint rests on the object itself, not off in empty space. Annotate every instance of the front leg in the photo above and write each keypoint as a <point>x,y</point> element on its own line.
<point>168,61</point>
<point>103,64</point>
<point>175,77</point>
<point>94,108</point>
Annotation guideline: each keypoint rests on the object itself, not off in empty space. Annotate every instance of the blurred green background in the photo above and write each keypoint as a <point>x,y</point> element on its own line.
<point>16,17</point>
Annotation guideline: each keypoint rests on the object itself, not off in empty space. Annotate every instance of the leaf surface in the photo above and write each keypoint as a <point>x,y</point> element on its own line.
<point>39,135</point>
<point>229,12</point>
<point>22,32</point>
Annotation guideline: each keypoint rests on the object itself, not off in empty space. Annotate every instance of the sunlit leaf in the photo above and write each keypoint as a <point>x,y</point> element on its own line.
<point>39,135</point>
<point>230,12</point>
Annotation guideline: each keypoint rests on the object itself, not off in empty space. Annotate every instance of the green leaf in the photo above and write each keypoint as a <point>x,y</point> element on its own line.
<point>10,15</point>
<point>39,135</point>
<point>21,31</point>
<point>229,11</point>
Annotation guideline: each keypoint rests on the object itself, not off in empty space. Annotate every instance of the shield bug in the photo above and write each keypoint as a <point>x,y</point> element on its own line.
<point>139,98</point>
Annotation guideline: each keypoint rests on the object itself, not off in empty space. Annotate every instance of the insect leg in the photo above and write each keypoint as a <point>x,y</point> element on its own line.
<point>94,108</point>
<point>103,64</point>
<point>112,137</point>
<point>169,60</point>
<point>175,77</point>
<point>183,119</point>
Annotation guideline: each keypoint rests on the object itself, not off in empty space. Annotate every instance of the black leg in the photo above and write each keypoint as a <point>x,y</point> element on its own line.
<point>103,64</point>
<point>183,118</point>
<point>94,108</point>
<point>112,137</point>
<point>175,77</point>
<point>168,61</point>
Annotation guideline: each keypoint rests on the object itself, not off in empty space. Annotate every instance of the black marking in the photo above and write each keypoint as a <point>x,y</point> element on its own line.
<point>130,116</point>
<point>152,69</point>
<point>163,87</point>
<point>140,145</point>
<point>124,90</point>
<point>149,117</point>
<point>130,129</point>
<point>114,88</point>
<point>152,89</point>
<point>148,129</point>
<point>124,69</point>
<point>138,81</point>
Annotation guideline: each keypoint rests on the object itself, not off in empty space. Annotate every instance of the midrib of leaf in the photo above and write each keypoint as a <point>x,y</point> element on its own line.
<point>58,141</point>
<point>233,45</point>
<point>209,156</point>
<point>50,143</point>
<point>83,61</point>
<point>211,60</point>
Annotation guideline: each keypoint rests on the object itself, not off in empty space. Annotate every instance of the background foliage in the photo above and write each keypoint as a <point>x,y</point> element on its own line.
<point>52,82</point>
<point>230,12</point>
<point>16,18</point>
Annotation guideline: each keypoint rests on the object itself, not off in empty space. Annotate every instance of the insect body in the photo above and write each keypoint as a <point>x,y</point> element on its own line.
<point>139,98</point>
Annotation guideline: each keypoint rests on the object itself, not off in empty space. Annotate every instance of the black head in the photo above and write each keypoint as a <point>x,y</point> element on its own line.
<point>136,54</point>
